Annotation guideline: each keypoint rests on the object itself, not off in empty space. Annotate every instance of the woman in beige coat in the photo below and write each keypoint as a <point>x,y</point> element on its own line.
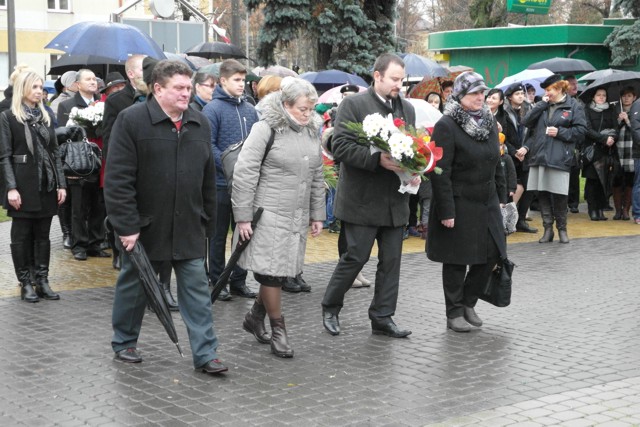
<point>289,185</point>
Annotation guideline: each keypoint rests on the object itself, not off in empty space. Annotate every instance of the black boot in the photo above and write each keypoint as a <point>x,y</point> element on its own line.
<point>279,340</point>
<point>64,215</point>
<point>21,264</point>
<point>523,227</point>
<point>601,215</point>
<point>544,203</point>
<point>593,215</point>
<point>171,302</point>
<point>254,323</point>
<point>304,286</point>
<point>560,212</point>
<point>42,250</point>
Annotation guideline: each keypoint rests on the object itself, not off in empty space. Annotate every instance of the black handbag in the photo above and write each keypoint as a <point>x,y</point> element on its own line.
<point>586,155</point>
<point>497,291</point>
<point>80,157</point>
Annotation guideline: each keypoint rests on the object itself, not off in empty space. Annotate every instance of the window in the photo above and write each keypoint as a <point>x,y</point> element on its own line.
<point>59,5</point>
<point>3,3</point>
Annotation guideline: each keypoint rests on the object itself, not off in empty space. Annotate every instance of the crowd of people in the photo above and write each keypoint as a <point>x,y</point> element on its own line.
<point>162,138</point>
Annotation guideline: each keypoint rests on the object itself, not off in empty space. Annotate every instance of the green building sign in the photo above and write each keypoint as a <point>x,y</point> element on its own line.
<point>539,7</point>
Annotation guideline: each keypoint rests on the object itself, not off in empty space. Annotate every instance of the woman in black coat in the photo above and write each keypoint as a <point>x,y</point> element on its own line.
<point>602,134</point>
<point>465,223</point>
<point>33,183</point>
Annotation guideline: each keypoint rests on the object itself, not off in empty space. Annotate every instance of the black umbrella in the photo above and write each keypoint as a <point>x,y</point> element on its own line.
<point>152,287</point>
<point>216,50</point>
<point>98,64</point>
<point>613,83</point>
<point>564,66</point>
<point>233,259</point>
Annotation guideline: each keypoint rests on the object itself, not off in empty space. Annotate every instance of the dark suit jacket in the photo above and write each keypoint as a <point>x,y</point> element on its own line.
<point>65,107</point>
<point>367,193</point>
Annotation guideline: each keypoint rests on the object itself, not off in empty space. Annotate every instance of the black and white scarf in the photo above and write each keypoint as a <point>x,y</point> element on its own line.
<point>477,124</point>
<point>43,161</point>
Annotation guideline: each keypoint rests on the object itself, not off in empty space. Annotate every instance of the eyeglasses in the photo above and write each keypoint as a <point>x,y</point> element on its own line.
<point>211,86</point>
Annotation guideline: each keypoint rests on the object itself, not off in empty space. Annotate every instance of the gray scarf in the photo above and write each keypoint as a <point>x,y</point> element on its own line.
<point>598,107</point>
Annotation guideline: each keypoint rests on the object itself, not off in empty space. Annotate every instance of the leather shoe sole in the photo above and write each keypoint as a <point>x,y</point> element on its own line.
<point>129,355</point>
<point>331,323</point>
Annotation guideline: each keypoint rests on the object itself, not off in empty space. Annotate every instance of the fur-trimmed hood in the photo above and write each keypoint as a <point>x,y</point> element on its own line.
<point>277,118</point>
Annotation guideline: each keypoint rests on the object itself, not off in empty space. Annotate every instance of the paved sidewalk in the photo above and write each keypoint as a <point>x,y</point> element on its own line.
<point>566,352</point>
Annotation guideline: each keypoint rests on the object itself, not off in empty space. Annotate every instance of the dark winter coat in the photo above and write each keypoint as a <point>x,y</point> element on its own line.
<point>367,193</point>
<point>20,170</point>
<point>161,182</point>
<point>469,190</point>
<point>634,120</point>
<point>598,121</point>
<point>231,120</point>
<point>556,153</point>
<point>515,133</point>
<point>115,103</point>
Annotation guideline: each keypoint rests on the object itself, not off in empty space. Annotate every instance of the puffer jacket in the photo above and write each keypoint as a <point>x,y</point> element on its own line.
<point>231,120</point>
<point>556,153</point>
<point>289,186</point>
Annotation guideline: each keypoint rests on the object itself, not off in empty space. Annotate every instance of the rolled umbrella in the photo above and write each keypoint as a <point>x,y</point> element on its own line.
<point>152,287</point>
<point>233,259</point>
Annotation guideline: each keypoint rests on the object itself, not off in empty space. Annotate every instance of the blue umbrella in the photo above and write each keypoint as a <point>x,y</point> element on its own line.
<point>419,66</point>
<point>108,39</point>
<point>325,80</point>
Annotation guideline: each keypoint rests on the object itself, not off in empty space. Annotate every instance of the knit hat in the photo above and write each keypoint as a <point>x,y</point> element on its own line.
<point>513,88</point>
<point>554,78</point>
<point>113,78</point>
<point>466,83</point>
<point>69,78</point>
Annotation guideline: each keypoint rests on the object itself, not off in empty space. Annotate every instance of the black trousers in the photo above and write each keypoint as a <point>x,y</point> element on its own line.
<point>461,286</point>
<point>87,213</point>
<point>359,242</point>
<point>574,187</point>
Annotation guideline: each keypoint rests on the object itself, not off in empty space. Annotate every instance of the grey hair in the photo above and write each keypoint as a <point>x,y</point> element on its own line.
<point>293,88</point>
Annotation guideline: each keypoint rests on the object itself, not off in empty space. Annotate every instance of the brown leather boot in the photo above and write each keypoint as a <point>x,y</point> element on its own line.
<point>279,340</point>
<point>254,323</point>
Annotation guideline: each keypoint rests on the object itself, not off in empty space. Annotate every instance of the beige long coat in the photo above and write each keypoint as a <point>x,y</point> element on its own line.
<point>289,186</point>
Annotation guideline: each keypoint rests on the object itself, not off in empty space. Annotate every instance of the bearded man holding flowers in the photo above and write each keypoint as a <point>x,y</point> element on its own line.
<point>368,201</point>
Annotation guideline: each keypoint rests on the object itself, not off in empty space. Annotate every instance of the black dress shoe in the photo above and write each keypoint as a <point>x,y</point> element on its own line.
<point>573,209</point>
<point>80,255</point>
<point>523,227</point>
<point>67,241</point>
<point>98,253</point>
<point>116,263</point>
<point>593,215</point>
<point>291,285</point>
<point>224,295</point>
<point>243,291</point>
<point>129,355</point>
<point>214,366</point>
<point>388,327</point>
<point>304,286</point>
<point>331,322</point>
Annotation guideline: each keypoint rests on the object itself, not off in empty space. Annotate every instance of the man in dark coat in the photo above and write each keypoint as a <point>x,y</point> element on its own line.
<point>87,209</point>
<point>368,201</point>
<point>160,188</point>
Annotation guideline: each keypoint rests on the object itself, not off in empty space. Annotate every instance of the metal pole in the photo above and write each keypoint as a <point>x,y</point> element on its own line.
<point>11,34</point>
